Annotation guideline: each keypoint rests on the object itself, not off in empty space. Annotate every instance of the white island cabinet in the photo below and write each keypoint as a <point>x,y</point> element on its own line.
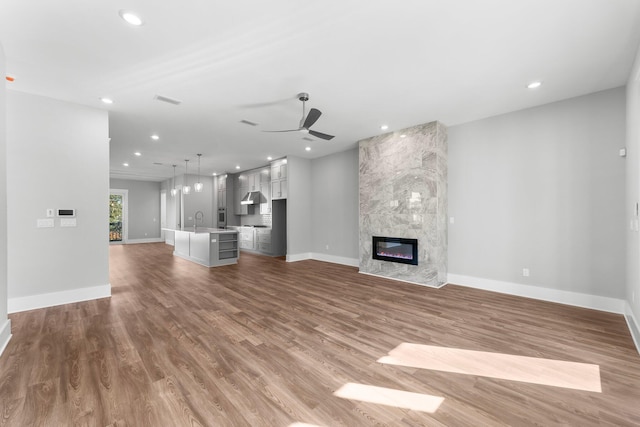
<point>211,247</point>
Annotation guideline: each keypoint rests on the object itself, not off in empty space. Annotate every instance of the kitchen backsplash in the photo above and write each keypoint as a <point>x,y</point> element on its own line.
<point>256,219</point>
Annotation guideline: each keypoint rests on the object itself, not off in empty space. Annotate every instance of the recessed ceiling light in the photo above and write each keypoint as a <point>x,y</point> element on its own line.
<point>238,167</point>
<point>269,158</point>
<point>534,85</point>
<point>130,18</point>
<point>214,174</point>
<point>155,137</point>
<point>384,127</point>
<point>308,148</point>
<point>107,100</point>
<point>125,164</point>
<point>137,153</point>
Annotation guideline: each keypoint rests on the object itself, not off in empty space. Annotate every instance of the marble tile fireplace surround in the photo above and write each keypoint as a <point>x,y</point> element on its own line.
<point>403,195</point>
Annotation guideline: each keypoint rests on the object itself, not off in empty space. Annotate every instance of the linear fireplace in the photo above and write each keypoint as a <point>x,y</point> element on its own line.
<point>395,249</point>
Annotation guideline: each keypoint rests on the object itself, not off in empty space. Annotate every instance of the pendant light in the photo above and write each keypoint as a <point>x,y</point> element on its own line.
<point>173,190</point>
<point>185,188</point>
<point>198,186</point>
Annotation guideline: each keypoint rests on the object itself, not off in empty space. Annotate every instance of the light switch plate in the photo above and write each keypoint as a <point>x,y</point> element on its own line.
<point>68,222</point>
<point>50,213</point>
<point>44,223</point>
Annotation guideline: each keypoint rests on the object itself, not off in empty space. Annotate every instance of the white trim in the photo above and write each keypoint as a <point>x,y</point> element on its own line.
<point>577,299</point>
<point>58,298</point>
<point>150,240</point>
<point>402,280</point>
<point>633,325</point>
<point>299,257</point>
<point>351,262</point>
<point>5,335</point>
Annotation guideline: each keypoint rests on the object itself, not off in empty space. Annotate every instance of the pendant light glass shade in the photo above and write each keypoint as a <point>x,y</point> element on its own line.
<point>198,186</point>
<point>185,188</point>
<point>173,190</point>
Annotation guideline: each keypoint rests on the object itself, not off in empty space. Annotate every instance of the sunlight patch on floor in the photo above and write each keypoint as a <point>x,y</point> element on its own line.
<point>390,397</point>
<point>557,373</point>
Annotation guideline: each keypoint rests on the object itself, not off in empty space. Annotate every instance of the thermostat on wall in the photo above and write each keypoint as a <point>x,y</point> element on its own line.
<point>67,212</point>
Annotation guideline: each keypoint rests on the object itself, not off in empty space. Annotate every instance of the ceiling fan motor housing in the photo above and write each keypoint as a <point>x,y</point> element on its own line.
<point>303,96</point>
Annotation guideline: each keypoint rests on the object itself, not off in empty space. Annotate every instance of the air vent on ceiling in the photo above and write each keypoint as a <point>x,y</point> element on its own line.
<point>167,100</point>
<point>306,138</point>
<point>247,122</point>
<point>157,164</point>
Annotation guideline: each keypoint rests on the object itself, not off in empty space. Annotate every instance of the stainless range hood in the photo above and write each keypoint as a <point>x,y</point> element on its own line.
<point>251,198</point>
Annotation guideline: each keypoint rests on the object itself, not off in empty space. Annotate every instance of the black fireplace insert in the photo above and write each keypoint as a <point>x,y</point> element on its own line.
<point>395,249</point>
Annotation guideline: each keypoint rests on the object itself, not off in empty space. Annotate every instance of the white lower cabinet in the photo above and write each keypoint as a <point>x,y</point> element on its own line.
<point>255,239</point>
<point>263,238</point>
<point>247,238</point>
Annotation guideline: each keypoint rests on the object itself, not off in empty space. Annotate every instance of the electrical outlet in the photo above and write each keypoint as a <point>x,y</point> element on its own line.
<point>327,247</point>
<point>525,272</point>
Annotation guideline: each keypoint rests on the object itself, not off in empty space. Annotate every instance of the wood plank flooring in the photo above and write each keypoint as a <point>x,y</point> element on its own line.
<point>268,343</point>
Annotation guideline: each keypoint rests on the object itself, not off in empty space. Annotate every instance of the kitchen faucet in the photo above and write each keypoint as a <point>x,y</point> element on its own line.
<point>198,216</point>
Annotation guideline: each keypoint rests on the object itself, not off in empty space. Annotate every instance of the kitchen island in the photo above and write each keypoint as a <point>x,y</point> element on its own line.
<point>211,247</point>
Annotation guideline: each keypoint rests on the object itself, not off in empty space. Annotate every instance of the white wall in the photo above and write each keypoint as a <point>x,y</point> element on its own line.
<point>193,202</point>
<point>544,189</point>
<point>632,294</point>
<point>299,222</point>
<point>202,202</point>
<point>334,203</point>
<point>5,323</point>
<point>58,157</point>
<point>144,207</point>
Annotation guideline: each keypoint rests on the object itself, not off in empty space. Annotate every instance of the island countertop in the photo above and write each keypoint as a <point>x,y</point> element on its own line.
<point>201,230</point>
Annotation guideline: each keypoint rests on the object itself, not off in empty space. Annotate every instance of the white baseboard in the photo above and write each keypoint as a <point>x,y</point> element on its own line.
<point>33,302</point>
<point>403,281</point>
<point>151,240</point>
<point>595,302</point>
<point>351,262</point>
<point>298,257</point>
<point>634,326</point>
<point>5,335</point>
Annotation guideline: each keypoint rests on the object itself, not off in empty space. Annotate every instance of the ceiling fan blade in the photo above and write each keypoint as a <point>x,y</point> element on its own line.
<point>320,135</point>
<point>288,130</point>
<point>312,117</point>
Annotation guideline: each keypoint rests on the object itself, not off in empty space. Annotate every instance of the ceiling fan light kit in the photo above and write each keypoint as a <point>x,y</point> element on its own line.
<point>308,121</point>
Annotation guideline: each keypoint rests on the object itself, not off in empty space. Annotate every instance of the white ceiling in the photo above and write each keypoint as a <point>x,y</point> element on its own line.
<point>364,63</point>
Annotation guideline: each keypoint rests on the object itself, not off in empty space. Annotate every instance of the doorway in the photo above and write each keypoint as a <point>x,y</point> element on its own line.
<point>118,204</point>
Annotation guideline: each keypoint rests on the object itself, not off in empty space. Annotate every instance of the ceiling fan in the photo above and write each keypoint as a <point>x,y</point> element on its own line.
<point>306,123</point>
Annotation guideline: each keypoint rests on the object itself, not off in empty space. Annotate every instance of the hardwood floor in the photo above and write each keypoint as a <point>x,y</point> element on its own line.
<point>270,343</point>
